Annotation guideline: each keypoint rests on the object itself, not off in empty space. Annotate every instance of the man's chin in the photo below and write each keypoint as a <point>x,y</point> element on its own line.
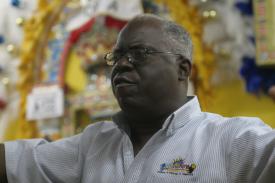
<point>125,90</point>
<point>129,104</point>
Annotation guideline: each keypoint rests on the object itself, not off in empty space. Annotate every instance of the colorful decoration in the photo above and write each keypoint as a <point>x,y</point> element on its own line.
<point>11,39</point>
<point>15,3</point>
<point>122,10</point>
<point>2,39</point>
<point>4,81</point>
<point>11,49</point>
<point>258,79</point>
<point>264,29</point>
<point>20,21</point>
<point>259,73</point>
<point>89,43</point>
<point>56,45</point>
<point>53,40</point>
<point>245,7</point>
<point>37,31</point>
<point>209,14</point>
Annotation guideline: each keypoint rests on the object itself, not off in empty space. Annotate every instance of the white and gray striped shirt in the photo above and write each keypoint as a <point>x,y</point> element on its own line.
<point>192,146</point>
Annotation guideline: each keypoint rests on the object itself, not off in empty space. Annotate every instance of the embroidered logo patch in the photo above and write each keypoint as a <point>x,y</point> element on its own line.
<point>177,167</point>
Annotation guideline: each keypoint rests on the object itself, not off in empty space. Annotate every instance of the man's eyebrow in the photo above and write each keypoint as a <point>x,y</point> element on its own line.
<point>117,49</point>
<point>137,46</point>
<point>134,46</point>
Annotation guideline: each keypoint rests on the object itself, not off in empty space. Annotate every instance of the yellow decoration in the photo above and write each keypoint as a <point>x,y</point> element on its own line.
<point>209,14</point>
<point>75,77</point>
<point>11,48</point>
<point>205,14</point>
<point>20,21</point>
<point>5,80</point>
<point>213,13</point>
<point>36,32</point>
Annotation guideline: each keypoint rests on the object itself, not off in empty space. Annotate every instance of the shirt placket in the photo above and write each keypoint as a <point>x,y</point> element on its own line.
<point>128,152</point>
<point>133,174</point>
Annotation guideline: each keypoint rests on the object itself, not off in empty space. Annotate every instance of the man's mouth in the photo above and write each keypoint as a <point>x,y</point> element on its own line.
<point>123,82</point>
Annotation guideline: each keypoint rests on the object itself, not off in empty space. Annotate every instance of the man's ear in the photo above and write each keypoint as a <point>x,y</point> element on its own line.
<point>184,68</point>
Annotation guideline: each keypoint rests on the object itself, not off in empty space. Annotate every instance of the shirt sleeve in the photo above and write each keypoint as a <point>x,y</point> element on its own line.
<point>253,153</point>
<point>33,161</point>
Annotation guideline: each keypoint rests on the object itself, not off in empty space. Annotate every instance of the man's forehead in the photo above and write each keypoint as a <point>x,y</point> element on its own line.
<point>140,34</point>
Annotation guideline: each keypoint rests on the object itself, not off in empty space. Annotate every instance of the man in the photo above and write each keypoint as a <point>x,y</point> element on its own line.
<point>160,135</point>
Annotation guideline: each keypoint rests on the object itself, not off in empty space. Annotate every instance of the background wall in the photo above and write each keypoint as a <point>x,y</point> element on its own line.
<point>231,99</point>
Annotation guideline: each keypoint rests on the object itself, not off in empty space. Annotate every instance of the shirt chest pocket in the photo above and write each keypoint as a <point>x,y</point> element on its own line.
<point>171,178</point>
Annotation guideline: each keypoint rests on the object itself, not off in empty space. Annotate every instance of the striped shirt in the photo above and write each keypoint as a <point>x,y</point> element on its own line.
<point>192,146</point>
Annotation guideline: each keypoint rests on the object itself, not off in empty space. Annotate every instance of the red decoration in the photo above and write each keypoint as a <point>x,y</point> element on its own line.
<point>3,104</point>
<point>74,37</point>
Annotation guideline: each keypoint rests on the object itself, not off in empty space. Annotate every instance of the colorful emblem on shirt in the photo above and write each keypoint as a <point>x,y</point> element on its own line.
<point>177,167</point>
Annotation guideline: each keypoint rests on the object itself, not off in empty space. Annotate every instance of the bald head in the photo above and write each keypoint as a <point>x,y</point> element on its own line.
<point>176,36</point>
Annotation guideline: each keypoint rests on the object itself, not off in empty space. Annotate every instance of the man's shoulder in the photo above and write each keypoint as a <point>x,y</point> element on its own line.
<point>213,118</point>
<point>100,127</point>
<point>238,124</point>
<point>94,135</point>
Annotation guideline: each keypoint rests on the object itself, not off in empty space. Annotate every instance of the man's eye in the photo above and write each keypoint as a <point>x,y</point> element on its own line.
<point>117,56</point>
<point>138,53</point>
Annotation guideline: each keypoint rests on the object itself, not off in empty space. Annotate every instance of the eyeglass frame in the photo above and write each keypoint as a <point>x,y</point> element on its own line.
<point>131,58</point>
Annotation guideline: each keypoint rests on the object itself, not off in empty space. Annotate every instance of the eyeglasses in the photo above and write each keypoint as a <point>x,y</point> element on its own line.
<point>134,55</point>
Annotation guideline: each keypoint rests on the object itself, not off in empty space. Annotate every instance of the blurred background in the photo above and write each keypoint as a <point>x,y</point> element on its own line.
<point>54,81</point>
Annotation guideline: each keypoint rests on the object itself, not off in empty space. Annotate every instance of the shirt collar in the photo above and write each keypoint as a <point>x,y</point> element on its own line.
<point>121,122</point>
<point>186,113</point>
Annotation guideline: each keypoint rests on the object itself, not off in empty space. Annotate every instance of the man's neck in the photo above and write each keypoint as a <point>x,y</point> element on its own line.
<point>143,125</point>
<point>149,122</point>
<point>142,129</point>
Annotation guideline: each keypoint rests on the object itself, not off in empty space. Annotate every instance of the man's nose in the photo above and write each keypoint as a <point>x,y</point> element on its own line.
<point>125,62</point>
<point>122,65</point>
